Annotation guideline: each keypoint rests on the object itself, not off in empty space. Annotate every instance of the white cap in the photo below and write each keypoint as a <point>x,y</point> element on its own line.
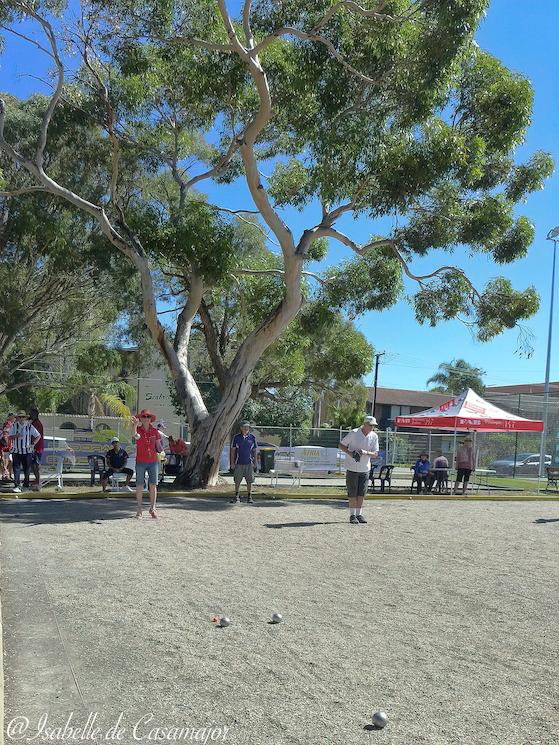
<point>370,420</point>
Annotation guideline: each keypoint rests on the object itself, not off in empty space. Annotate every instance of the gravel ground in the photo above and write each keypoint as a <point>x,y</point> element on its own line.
<point>443,614</point>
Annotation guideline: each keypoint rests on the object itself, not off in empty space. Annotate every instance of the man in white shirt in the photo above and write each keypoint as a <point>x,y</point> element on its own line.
<point>359,445</point>
<point>24,438</point>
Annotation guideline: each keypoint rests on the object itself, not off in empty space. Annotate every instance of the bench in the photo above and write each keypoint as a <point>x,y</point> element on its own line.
<point>286,467</point>
<point>552,476</point>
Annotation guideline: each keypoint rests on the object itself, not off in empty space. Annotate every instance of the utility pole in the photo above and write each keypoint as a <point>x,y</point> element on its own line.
<point>377,358</point>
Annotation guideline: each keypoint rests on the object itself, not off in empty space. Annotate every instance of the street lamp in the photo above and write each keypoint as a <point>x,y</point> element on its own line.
<point>553,235</point>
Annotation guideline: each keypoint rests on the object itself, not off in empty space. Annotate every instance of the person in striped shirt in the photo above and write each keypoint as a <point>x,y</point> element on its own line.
<point>24,438</point>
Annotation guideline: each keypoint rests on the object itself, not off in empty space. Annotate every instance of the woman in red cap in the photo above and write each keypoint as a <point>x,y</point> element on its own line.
<point>148,447</point>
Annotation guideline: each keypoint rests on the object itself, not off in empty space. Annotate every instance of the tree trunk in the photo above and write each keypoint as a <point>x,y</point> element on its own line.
<point>211,434</point>
<point>206,445</point>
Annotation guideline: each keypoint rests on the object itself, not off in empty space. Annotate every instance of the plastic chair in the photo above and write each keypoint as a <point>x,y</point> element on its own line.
<point>384,476</point>
<point>97,464</point>
<point>441,480</point>
<point>372,477</point>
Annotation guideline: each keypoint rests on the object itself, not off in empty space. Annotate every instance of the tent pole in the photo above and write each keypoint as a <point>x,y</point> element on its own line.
<point>538,492</point>
<point>453,490</point>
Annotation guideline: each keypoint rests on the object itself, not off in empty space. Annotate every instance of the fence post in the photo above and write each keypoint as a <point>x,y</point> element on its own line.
<point>290,436</point>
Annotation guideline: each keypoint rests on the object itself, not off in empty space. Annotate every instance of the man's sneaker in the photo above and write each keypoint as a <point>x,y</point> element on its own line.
<point>16,490</point>
<point>361,519</point>
<point>353,520</point>
<point>250,500</point>
<point>235,500</point>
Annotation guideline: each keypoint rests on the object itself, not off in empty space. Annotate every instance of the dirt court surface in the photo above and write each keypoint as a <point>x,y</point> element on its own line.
<point>442,614</point>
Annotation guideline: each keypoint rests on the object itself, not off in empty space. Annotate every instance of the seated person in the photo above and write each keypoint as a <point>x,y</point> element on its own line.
<point>116,459</point>
<point>421,471</point>
<point>440,471</point>
<point>178,449</point>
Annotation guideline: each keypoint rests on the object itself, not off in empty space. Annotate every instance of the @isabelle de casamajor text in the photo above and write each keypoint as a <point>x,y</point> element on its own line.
<point>143,729</point>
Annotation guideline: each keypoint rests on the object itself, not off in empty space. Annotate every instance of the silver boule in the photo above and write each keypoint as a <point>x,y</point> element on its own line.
<point>380,719</point>
<point>277,618</point>
<point>224,621</point>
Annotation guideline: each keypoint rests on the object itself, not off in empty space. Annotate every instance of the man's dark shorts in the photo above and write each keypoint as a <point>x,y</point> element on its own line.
<point>243,471</point>
<point>356,483</point>
<point>463,473</point>
<point>37,458</point>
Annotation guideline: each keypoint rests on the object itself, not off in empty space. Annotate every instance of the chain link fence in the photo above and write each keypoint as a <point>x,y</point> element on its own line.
<point>511,454</point>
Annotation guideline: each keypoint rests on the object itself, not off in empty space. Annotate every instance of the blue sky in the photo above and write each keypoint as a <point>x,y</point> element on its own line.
<point>524,37</point>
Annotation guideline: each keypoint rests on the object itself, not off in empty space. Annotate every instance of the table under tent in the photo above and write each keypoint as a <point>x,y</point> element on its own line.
<point>467,413</point>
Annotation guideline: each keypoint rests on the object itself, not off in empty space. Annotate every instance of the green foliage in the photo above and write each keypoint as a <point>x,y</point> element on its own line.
<point>346,406</point>
<point>501,307</point>
<point>288,183</point>
<point>443,299</point>
<point>493,102</point>
<point>293,408</point>
<point>370,282</point>
<point>195,238</point>
<point>529,176</point>
<point>97,359</point>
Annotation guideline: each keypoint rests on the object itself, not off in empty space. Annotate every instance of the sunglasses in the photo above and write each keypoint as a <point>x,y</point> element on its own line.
<point>145,417</point>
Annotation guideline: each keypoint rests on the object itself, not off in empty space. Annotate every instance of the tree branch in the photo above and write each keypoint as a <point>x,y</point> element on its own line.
<point>218,168</point>
<point>55,98</point>
<point>210,335</point>
<point>351,5</point>
<point>199,43</point>
<point>246,24</point>
<point>23,190</point>
<point>302,36</point>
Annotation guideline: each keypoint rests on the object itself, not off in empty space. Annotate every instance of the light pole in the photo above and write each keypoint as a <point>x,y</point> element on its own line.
<point>377,358</point>
<point>553,235</point>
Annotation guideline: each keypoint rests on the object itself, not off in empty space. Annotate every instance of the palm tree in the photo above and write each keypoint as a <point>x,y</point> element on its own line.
<point>455,376</point>
<point>109,397</point>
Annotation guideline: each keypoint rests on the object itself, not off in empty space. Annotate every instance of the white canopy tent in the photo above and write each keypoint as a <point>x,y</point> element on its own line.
<point>468,412</point>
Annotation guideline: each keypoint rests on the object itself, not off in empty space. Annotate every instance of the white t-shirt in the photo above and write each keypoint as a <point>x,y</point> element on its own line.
<point>357,440</point>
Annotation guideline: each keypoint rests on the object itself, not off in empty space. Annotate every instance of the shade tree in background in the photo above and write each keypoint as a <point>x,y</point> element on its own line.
<point>383,109</point>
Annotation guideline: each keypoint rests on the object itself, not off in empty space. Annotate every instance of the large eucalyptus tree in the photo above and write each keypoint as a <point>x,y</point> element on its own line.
<point>377,109</point>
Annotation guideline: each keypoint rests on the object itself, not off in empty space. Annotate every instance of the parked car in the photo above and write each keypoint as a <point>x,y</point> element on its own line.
<point>527,464</point>
<point>56,448</point>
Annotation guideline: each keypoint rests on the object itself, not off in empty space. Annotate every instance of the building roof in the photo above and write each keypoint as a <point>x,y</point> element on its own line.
<point>404,397</point>
<point>537,388</point>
